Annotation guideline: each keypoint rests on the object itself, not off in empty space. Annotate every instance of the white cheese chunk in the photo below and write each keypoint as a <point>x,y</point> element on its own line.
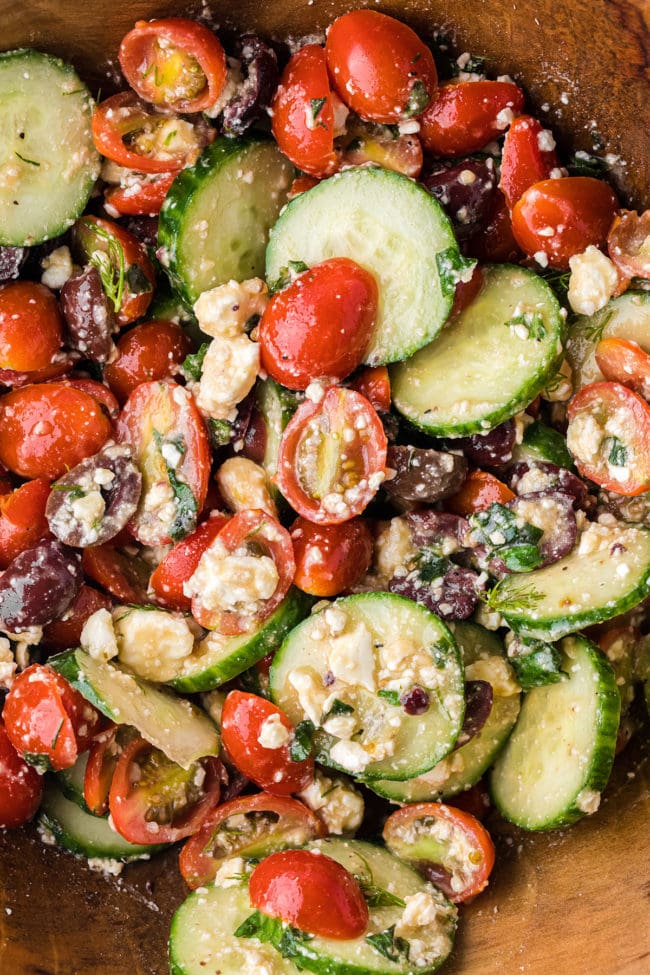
<point>593,280</point>
<point>311,692</point>
<point>351,656</point>
<point>336,803</point>
<point>273,734</point>
<point>230,368</point>
<point>232,582</point>
<point>244,484</point>
<point>98,636</point>
<point>57,268</point>
<point>152,643</point>
<point>225,310</point>
<point>350,755</point>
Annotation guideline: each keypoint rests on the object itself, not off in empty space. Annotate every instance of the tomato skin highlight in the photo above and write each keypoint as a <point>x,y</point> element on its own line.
<point>150,351</point>
<point>320,325</point>
<point>179,564</point>
<point>524,160</point>
<point>22,519</point>
<point>21,787</point>
<point>330,558</point>
<point>311,891</point>
<point>31,327</point>
<point>373,382</point>
<point>462,118</point>
<point>147,201</point>
<point>625,362</point>
<point>479,491</point>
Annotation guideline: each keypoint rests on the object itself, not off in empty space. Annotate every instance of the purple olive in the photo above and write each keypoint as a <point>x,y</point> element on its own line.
<point>491,449</point>
<point>452,597</point>
<point>553,512</point>
<point>11,262</point>
<point>466,191</point>
<point>415,701</point>
<point>94,501</point>
<point>532,477</point>
<point>424,475</point>
<point>479,696</point>
<point>39,585</point>
<point>253,98</point>
<point>438,528</point>
<point>144,228</point>
<point>89,316</point>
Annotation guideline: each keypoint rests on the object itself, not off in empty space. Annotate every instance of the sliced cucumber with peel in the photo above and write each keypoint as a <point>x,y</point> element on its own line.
<point>559,757</point>
<point>275,406</point>
<point>627,317</point>
<point>542,443</point>
<point>71,781</point>
<point>490,361</point>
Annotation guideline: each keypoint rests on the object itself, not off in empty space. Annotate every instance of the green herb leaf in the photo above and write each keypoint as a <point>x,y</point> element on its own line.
<point>30,162</point>
<point>338,707</point>
<point>300,747</point>
<point>452,268</point>
<point>57,733</point>
<point>520,600</point>
<point>521,558</point>
<point>111,265</point>
<point>40,762</point>
<point>284,938</point>
<point>187,509</point>
<point>220,432</point>
<point>385,942</point>
<point>418,99</point>
<point>586,164</point>
<point>316,105</point>
<point>193,363</point>
<point>391,696</point>
<point>73,490</point>
<point>618,453</point>
<point>594,329</point>
<point>501,532</point>
<point>532,321</point>
<point>287,275</point>
<point>535,662</point>
<point>430,564</point>
<point>557,280</point>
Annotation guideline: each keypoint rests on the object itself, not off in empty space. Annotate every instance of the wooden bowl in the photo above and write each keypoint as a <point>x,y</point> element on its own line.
<point>576,901</point>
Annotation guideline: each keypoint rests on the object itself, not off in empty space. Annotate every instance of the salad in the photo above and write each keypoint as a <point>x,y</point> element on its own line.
<point>324,478</point>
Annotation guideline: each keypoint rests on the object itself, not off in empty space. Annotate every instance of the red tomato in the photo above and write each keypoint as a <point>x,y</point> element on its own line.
<point>179,564</point>
<point>153,350</point>
<point>311,891</point>
<point>21,787</point>
<point>47,429</point>
<point>628,243</point>
<point>373,382</point>
<point>379,66</point>
<point>479,491</point>
<point>244,719</point>
<point>369,143</point>
<point>495,243</point>
<point>624,362</point>
<point>303,113</point>
<point>271,823</point>
<point>301,184</point>
<point>332,457</point>
<point>320,325</point>
<point>64,363</point>
<point>621,460</point>
<point>577,210</point>
<point>175,63</point>
<point>126,577</point>
<point>430,853</point>
<point>22,519</point>
<point>66,633</point>
<point>465,116</point>
<point>467,291</point>
<point>144,198</point>
<point>98,391</point>
<point>528,157</point>
<point>31,328</point>
<point>47,720</point>
<point>153,800</point>
<point>102,762</point>
<point>157,417</point>
<point>330,558</point>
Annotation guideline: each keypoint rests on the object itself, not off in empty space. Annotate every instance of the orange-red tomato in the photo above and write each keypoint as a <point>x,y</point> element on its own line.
<point>301,184</point>
<point>466,291</point>
<point>330,558</point>
<point>152,350</point>
<point>628,244</point>
<point>625,362</point>
<point>373,382</point>
<point>65,633</point>
<point>21,787</point>
<point>140,199</point>
<point>31,327</point>
<point>126,577</point>
<point>479,491</point>
<point>465,116</point>
<point>97,390</point>
<point>100,767</point>
<point>22,519</point>
<point>179,564</point>
<point>528,157</point>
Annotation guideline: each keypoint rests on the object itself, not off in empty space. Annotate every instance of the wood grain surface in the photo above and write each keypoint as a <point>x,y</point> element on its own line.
<point>574,902</point>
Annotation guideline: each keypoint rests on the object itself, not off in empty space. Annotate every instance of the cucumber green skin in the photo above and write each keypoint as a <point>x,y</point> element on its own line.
<point>600,766</point>
<point>268,638</point>
<point>71,782</point>
<point>625,317</point>
<point>276,406</point>
<point>543,443</point>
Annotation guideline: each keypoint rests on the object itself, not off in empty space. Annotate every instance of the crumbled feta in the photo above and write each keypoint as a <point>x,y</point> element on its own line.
<point>110,868</point>
<point>230,368</point>
<point>497,672</point>
<point>425,925</point>
<point>351,656</point>
<point>593,280</point>
<point>244,484</point>
<point>230,872</point>
<point>545,141</point>
<point>232,582</point>
<point>151,642</point>
<point>394,548</point>
<point>98,636</point>
<point>7,664</point>
<point>350,755</point>
<point>273,733</point>
<point>225,310</point>
<point>213,702</point>
<point>57,268</point>
<point>311,692</point>
<point>588,801</point>
<point>232,84</point>
<point>336,803</point>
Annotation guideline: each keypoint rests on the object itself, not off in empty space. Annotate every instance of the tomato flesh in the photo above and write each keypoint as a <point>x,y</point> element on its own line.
<point>625,362</point>
<point>373,382</point>
<point>528,157</point>
<point>22,519</point>
<point>66,633</point>
<point>125,577</point>
<point>330,558</point>
<point>465,116</point>
<point>480,490</point>
<point>628,244</point>
<point>21,787</point>
<point>31,327</point>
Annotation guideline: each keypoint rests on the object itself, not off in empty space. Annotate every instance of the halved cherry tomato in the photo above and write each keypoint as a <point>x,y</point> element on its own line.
<point>143,197</point>
<point>369,143</point>
<point>162,423</point>
<point>311,891</point>
<point>126,271</point>
<point>424,833</point>
<point>22,519</point>
<point>304,111</point>
<point>47,429</point>
<point>97,390</point>
<point>179,564</point>
<point>528,157</point>
<point>628,243</point>
<point>332,457</point>
<point>625,362</point>
<point>495,242</point>
<point>463,117</point>
<point>65,633</point>
<point>63,363</point>
<point>250,827</point>
<point>562,217</point>
<point>31,327</point>
<point>301,184</point>
<point>379,66</point>
<point>153,800</point>
<point>609,437</point>
<point>246,722</point>
<point>153,350</point>
<point>126,577</point>
<point>175,63</point>
<point>102,761</point>
<point>373,382</point>
<point>47,720</point>
<point>330,558</point>
<point>479,491</point>
<point>21,787</point>
<point>258,535</point>
<point>320,325</point>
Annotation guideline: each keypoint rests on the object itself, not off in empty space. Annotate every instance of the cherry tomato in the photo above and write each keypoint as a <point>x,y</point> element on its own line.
<point>368,143</point>
<point>301,184</point>
<point>562,217</point>
<point>162,423</point>
<point>332,457</point>
<point>479,491</point>
<point>624,362</point>
<point>21,787</point>
<point>31,328</point>
<point>330,558</point>
<point>22,519</point>
<point>496,242</point>
<point>97,390</point>
<point>102,761</point>
<point>320,325</point>
<point>142,198</point>
<point>311,891</point>
<point>465,116</point>
<point>153,350</point>
<point>609,437</point>
<point>467,291</point>
<point>303,113</point>
<point>373,382</point>
<point>410,833</point>
<point>179,564</point>
<point>528,157</point>
<point>264,824</point>
<point>126,577</point>
<point>47,429</point>
<point>379,66</point>
<point>47,720</point>
<point>175,63</point>
<point>66,633</point>
<point>153,800</point>
<point>628,243</point>
<point>63,364</point>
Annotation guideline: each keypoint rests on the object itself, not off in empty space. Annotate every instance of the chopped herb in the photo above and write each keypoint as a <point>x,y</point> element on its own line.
<point>73,490</point>
<point>170,136</point>
<point>504,536</point>
<point>391,696</point>
<point>597,140</point>
<point>57,733</point>
<point>557,280</point>
<point>193,363</point>
<point>452,268</point>
<point>316,105</point>
<point>532,321</point>
<point>535,662</point>
<point>24,159</point>
<point>385,942</point>
<point>520,600</point>
<point>430,564</point>
<point>380,897</point>
<point>338,707</point>
<point>618,453</point>
<point>187,509</point>
<point>287,275</point>
<point>111,265</point>
<point>594,330</point>
<point>220,432</point>
<point>586,164</point>
<point>272,930</point>
<point>355,144</point>
<point>475,65</point>
<point>418,99</point>
<point>40,762</point>
<point>300,747</point>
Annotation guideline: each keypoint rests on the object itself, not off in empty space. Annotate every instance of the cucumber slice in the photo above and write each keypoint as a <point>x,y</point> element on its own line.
<point>215,220</point>
<point>48,161</point>
<point>71,781</point>
<point>84,834</point>
<point>590,585</point>
<point>374,624</point>
<point>558,758</point>
<point>490,361</point>
<point>543,443</point>
<point>396,230</point>
<point>276,405</point>
<point>219,659</point>
<point>627,317</point>
<point>175,726</point>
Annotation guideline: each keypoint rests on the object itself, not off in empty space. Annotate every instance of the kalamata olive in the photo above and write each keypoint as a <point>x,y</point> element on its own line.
<point>89,316</point>
<point>479,696</point>
<point>144,228</point>
<point>531,477</point>
<point>438,529</point>
<point>96,499</point>
<point>390,423</point>
<point>552,511</point>
<point>452,597</point>
<point>39,586</point>
<point>260,65</point>
<point>11,262</point>
<point>491,449</point>
<point>465,190</point>
<point>424,475</point>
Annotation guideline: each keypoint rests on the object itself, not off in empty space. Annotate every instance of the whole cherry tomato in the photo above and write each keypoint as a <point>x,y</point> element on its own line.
<point>22,519</point>
<point>465,116</point>
<point>97,390</point>
<point>152,350</point>
<point>320,325</point>
<point>21,787</point>
<point>623,362</point>
<point>31,327</point>
<point>142,198</point>
<point>528,157</point>
<point>126,577</point>
<point>65,633</point>
<point>177,567</point>
<point>379,66</point>
<point>628,243</point>
<point>330,558</point>
<point>373,382</point>
<point>479,491</point>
